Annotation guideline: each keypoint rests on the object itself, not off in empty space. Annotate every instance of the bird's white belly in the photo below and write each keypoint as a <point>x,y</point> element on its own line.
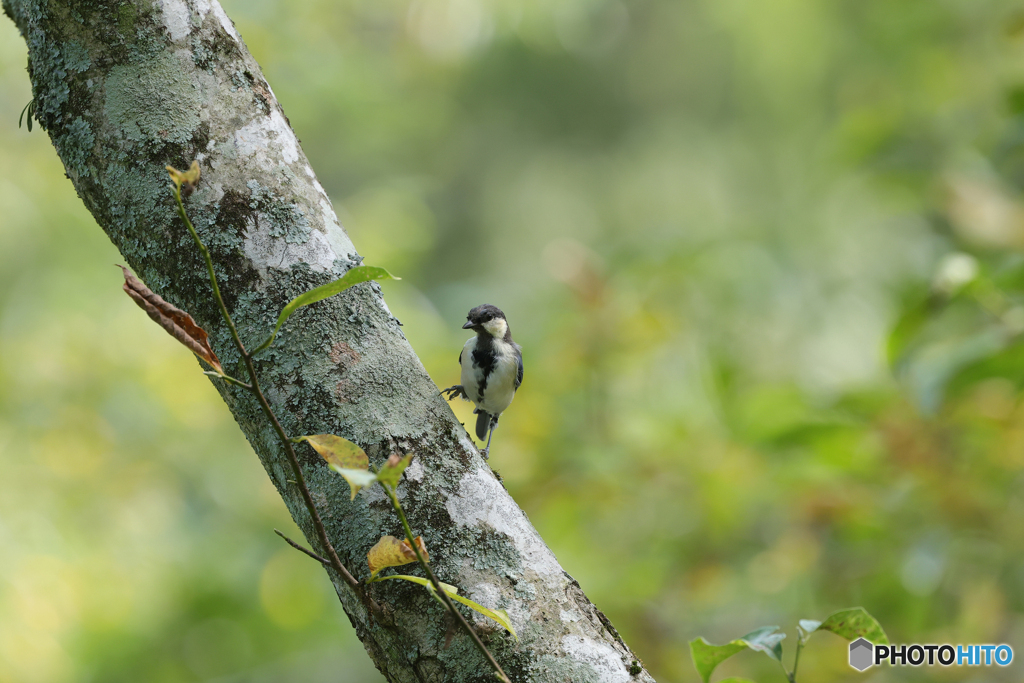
<point>500,388</point>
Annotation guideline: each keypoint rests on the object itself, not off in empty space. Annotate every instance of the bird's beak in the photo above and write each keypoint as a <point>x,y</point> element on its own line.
<point>468,325</point>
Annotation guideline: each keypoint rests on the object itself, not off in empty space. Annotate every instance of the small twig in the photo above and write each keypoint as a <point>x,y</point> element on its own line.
<point>228,378</point>
<point>440,591</point>
<point>303,549</point>
<point>789,676</point>
<point>796,659</point>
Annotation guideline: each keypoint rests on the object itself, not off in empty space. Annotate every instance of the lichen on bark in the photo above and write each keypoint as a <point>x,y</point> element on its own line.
<point>124,88</point>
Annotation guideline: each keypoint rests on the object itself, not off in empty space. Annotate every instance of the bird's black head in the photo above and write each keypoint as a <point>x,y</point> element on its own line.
<point>487,318</point>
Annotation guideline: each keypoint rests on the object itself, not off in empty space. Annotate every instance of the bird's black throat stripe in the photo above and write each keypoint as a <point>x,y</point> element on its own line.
<point>485,357</point>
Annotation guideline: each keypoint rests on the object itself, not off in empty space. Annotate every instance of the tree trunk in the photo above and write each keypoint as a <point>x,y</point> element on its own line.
<point>124,88</point>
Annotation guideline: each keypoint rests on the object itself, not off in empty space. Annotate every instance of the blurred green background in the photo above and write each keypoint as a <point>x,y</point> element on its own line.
<point>765,259</point>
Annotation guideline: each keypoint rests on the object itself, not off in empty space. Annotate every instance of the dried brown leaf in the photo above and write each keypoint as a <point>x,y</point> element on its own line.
<point>392,552</point>
<point>175,321</point>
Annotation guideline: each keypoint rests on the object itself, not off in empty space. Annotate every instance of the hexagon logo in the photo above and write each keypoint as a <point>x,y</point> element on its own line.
<point>861,652</point>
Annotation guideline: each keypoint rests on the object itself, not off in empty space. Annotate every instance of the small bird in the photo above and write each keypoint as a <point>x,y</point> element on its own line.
<point>492,369</point>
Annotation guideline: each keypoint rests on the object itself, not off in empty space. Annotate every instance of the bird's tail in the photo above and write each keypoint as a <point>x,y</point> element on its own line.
<point>483,422</point>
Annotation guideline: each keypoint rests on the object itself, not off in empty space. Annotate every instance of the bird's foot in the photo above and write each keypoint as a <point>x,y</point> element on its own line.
<point>454,392</point>
<point>485,452</point>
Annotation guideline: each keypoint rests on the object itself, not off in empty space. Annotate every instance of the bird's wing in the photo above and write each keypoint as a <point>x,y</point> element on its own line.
<point>519,372</point>
<point>460,355</point>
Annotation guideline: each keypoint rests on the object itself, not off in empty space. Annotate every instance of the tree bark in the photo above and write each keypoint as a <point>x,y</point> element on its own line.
<point>124,88</point>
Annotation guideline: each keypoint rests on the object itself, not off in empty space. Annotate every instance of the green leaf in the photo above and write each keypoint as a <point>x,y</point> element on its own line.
<point>851,624</point>
<point>805,627</point>
<point>449,589</point>
<point>767,640</point>
<point>706,657</point>
<point>352,277</point>
<point>337,451</point>
<point>498,615</point>
<point>30,109</point>
<point>392,470</point>
<point>356,479</point>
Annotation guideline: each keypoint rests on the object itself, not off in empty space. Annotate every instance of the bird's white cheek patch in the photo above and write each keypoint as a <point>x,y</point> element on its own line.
<point>496,328</point>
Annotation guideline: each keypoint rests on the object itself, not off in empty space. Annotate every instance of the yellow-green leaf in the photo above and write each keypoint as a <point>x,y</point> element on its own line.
<point>392,470</point>
<point>189,178</point>
<point>338,451</point>
<point>850,623</point>
<point>706,657</point>
<point>356,479</point>
<point>344,457</point>
<point>450,590</point>
<point>392,552</point>
<point>498,615</point>
<point>353,277</point>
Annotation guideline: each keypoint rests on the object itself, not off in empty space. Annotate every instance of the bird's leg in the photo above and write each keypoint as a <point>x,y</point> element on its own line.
<point>490,433</point>
<point>455,392</point>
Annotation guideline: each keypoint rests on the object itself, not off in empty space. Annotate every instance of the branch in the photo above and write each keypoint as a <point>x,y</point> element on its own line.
<point>301,549</point>
<point>187,88</point>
